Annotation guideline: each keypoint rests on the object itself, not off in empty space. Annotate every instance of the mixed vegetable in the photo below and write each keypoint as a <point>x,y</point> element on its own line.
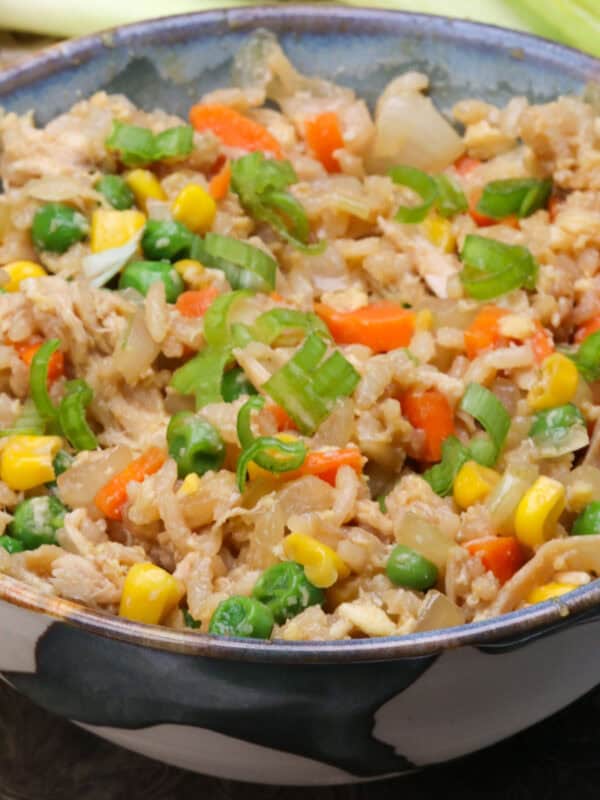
<point>167,252</point>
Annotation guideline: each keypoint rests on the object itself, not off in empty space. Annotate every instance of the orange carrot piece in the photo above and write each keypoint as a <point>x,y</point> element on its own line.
<point>501,555</point>
<point>323,135</point>
<point>554,205</point>
<point>196,303</point>
<point>233,128</point>
<point>325,464</point>
<point>219,183</point>
<point>283,421</point>
<point>430,412</point>
<point>381,326</point>
<point>483,333</point>
<point>591,326</point>
<point>113,495</point>
<point>465,164</point>
<point>541,343</point>
<point>56,364</point>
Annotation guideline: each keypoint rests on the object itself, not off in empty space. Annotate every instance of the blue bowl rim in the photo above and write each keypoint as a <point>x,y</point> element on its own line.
<point>517,627</point>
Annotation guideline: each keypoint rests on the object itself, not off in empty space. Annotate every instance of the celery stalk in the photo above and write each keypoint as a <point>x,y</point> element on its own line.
<point>575,22</point>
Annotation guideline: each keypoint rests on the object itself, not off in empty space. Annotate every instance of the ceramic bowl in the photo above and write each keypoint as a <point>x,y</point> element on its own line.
<point>306,713</point>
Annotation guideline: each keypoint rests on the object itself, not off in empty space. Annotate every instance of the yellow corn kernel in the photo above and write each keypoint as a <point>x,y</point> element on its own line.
<point>145,186</point>
<point>322,565</point>
<point>254,471</point>
<point>473,484</point>
<point>20,270</point>
<point>192,272</point>
<point>27,461</point>
<point>538,511</point>
<point>195,208</point>
<point>439,232</point>
<point>424,320</point>
<point>549,591</point>
<point>149,594</point>
<point>557,384</point>
<point>111,228</point>
<point>190,485</point>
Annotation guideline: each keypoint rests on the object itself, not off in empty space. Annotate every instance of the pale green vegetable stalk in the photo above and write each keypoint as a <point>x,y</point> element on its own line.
<point>575,22</point>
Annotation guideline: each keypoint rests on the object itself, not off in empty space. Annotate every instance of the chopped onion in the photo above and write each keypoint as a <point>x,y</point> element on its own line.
<point>438,611</point>
<point>137,351</point>
<point>91,470</point>
<point>583,487</point>
<point>410,130</point>
<point>59,188</point>
<point>427,539</point>
<point>506,495</point>
<point>99,268</point>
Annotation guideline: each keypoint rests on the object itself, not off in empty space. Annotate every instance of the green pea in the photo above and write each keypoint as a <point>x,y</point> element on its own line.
<point>241,616</point>
<point>286,591</point>
<point>116,191</point>
<point>141,275</point>
<point>166,241</point>
<point>62,461</point>
<point>406,567</point>
<point>195,444</point>
<point>56,227</point>
<point>36,521</point>
<point>588,522</point>
<point>235,384</point>
<point>11,545</point>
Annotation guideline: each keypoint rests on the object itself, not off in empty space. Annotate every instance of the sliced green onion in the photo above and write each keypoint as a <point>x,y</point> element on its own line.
<point>260,184</point>
<point>422,184</point>
<point>202,376</point>
<point>38,379</point>
<point>176,142</point>
<point>270,454</point>
<point>520,196</point>
<point>492,268</point>
<point>137,146</point>
<point>451,199</point>
<point>29,422</point>
<point>71,415</point>
<point>286,326</point>
<point>189,621</point>
<point>441,476</point>
<point>134,144</point>
<point>559,430</point>
<point>235,384</point>
<point>217,328</point>
<point>245,266</point>
<point>308,390</point>
<point>244,427</point>
<point>587,358</point>
<point>489,412</point>
<point>483,450</point>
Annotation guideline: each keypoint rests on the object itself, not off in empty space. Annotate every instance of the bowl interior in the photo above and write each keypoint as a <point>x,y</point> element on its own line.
<point>169,63</point>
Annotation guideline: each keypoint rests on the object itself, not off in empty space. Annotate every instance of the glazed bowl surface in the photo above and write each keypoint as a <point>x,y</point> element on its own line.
<point>305,713</point>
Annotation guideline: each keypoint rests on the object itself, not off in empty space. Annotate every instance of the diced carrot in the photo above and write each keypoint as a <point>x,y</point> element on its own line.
<point>483,333</point>
<point>381,326</point>
<point>541,343</point>
<point>233,128</point>
<point>219,183</point>
<point>56,364</point>
<point>113,495</point>
<point>283,421</point>
<point>430,412</point>
<point>501,555</point>
<point>324,136</point>
<point>196,303</point>
<point>325,464</point>
<point>277,297</point>
<point>465,164</point>
<point>591,326</point>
